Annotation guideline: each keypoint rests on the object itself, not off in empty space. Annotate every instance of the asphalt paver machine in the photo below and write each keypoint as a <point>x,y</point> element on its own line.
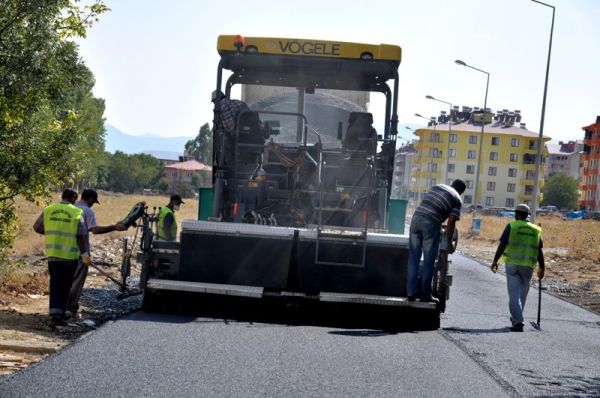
<point>302,175</point>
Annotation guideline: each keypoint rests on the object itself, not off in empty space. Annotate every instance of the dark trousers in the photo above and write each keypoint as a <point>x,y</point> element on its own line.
<point>77,287</point>
<point>61,279</point>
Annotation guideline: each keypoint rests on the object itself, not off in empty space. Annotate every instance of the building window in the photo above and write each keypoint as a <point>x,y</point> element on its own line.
<point>472,139</point>
<point>532,144</point>
<point>512,172</point>
<point>489,200</point>
<point>469,184</point>
<point>495,140</point>
<point>452,153</point>
<point>493,155</point>
<point>432,182</point>
<point>491,186</point>
<point>492,171</point>
<point>530,174</point>
<point>435,153</point>
<point>451,167</point>
<point>468,199</point>
<point>514,142</point>
<point>432,167</point>
<point>470,169</point>
<point>514,157</point>
<point>510,187</point>
<point>174,174</point>
<point>453,137</point>
<point>471,154</point>
<point>435,137</point>
<point>528,189</point>
<point>510,202</point>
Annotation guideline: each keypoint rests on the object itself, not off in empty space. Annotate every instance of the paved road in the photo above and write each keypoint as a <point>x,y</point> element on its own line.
<point>473,355</point>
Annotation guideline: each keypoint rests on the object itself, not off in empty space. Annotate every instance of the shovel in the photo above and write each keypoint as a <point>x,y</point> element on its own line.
<point>536,325</point>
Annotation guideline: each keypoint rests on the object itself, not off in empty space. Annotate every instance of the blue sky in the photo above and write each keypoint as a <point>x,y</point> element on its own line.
<point>155,60</point>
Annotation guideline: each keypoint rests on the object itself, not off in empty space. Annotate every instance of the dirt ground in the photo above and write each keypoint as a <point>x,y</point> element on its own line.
<point>25,333</point>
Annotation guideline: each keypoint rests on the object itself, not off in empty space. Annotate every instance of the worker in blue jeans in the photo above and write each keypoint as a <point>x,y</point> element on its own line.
<point>521,245</point>
<point>440,203</point>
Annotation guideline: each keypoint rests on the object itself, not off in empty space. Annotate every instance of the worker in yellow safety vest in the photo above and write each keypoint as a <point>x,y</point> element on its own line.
<point>166,227</point>
<point>63,230</point>
<point>521,244</point>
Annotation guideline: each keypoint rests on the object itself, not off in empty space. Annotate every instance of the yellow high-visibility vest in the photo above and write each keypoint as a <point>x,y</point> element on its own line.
<point>60,230</point>
<point>161,233</point>
<point>523,244</point>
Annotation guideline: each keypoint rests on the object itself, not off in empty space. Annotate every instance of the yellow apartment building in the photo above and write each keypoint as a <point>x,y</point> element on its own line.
<point>447,150</point>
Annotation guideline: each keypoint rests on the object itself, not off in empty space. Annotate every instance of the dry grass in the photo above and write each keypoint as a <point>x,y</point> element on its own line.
<point>570,238</point>
<point>571,247</point>
<point>114,207</point>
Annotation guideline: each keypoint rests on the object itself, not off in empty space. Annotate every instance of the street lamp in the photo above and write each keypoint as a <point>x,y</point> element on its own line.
<point>449,131</point>
<point>462,63</point>
<point>540,143</point>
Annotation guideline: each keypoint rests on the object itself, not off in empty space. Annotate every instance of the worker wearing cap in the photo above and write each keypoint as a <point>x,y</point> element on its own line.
<point>63,230</point>
<point>166,227</point>
<point>521,243</point>
<point>89,197</point>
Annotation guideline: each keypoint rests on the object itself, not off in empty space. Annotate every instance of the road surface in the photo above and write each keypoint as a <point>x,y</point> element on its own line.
<point>148,354</point>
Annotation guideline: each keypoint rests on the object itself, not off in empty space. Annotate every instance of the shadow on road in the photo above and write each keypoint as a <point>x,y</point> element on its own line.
<point>478,331</point>
<point>368,320</point>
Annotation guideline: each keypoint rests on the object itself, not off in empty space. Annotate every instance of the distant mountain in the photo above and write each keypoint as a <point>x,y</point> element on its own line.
<point>116,140</point>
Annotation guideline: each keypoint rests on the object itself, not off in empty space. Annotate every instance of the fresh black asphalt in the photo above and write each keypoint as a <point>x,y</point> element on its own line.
<point>473,355</point>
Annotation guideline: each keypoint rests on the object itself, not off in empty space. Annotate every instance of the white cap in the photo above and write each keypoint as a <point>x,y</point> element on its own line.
<point>523,208</point>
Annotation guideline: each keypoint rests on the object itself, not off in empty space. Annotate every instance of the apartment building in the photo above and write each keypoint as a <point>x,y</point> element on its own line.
<point>590,192</point>
<point>404,163</point>
<point>565,157</point>
<point>449,148</point>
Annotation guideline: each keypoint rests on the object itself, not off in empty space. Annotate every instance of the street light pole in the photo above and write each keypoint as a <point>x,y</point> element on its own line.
<point>433,121</point>
<point>540,142</point>
<point>418,187</point>
<point>479,156</point>
<point>449,131</point>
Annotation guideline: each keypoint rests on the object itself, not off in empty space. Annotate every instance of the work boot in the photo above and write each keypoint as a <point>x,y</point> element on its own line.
<point>430,299</point>
<point>518,327</point>
<point>57,320</point>
<point>72,315</point>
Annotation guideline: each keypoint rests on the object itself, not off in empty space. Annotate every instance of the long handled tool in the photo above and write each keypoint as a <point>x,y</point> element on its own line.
<point>536,325</point>
<point>125,290</point>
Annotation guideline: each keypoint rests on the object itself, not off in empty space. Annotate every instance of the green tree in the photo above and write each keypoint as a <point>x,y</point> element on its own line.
<point>561,190</point>
<point>46,106</point>
<point>132,173</point>
<point>200,148</point>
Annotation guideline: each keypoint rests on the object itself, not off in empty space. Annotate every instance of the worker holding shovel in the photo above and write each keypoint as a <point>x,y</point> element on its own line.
<point>521,244</point>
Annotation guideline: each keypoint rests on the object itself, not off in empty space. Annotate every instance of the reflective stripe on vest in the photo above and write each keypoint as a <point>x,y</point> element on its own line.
<point>523,244</point>
<point>61,222</point>
<point>160,225</point>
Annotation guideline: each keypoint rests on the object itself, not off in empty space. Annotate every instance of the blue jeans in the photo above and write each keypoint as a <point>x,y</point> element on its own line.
<point>517,282</point>
<point>424,237</point>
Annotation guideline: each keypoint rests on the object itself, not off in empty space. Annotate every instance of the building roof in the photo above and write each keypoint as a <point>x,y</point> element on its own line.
<point>489,128</point>
<point>190,165</point>
<point>554,149</point>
